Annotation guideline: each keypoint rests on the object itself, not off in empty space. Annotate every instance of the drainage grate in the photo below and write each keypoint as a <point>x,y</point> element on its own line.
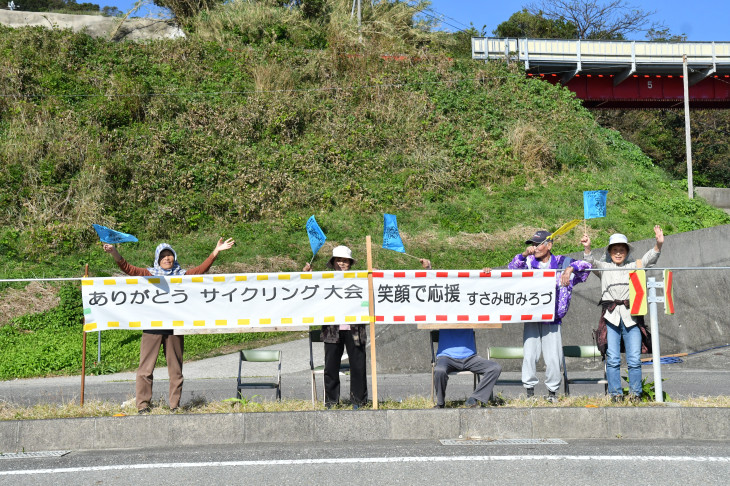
<point>29,455</point>
<point>502,441</point>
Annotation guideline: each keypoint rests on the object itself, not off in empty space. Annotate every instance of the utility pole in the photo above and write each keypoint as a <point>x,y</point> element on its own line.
<point>359,12</point>
<point>687,133</point>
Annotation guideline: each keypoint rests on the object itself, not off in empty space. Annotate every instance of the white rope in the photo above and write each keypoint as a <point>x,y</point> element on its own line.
<point>71,279</point>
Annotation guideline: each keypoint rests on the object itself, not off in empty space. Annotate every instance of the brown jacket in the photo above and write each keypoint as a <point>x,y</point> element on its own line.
<point>130,269</point>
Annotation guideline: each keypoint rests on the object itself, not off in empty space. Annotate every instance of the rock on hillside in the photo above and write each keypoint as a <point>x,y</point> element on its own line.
<point>136,29</point>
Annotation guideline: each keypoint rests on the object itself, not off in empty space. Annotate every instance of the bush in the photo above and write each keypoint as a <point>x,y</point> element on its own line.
<point>186,9</point>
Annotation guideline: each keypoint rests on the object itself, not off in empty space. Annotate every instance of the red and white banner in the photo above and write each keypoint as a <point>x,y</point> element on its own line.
<point>464,296</point>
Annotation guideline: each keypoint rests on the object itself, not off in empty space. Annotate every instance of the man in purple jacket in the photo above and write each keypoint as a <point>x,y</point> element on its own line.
<point>545,337</point>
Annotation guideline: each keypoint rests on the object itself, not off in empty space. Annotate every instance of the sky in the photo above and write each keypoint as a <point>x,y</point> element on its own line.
<point>700,20</point>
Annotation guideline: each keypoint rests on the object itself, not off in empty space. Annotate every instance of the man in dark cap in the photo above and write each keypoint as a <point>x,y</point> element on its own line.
<point>545,337</point>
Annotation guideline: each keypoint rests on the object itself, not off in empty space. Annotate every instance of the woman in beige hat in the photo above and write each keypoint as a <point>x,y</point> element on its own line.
<point>615,314</point>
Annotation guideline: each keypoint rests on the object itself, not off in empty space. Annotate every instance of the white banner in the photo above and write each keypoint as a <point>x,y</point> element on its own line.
<point>220,301</point>
<point>317,298</point>
<point>464,296</point>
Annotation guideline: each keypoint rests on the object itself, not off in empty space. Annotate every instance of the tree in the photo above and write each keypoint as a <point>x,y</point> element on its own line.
<point>111,12</point>
<point>184,9</point>
<point>57,6</point>
<point>596,19</point>
<point>527,24</point>
<point>664,35</point>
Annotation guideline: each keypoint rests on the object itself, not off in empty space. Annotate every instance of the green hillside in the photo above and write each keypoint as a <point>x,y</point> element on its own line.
<point>261,118</point>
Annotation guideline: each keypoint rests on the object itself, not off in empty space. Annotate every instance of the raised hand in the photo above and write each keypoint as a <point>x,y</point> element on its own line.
<point>659,237</point>
<point>111,249</point>
<point>586,242</point>
<point>223,245</point>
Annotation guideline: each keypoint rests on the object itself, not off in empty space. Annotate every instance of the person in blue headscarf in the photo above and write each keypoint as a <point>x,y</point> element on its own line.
<point>165,264</point>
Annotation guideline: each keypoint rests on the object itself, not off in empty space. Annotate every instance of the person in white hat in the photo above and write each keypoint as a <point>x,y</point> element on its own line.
<point>615,314</point>
<point>337,338</point>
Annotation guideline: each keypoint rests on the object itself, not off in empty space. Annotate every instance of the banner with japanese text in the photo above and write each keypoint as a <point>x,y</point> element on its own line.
<point>464,296</point>
<point>317,298</point>
<point>219,301</point>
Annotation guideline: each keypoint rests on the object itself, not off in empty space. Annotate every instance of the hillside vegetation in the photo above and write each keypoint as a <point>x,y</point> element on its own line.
<point>262,117</point>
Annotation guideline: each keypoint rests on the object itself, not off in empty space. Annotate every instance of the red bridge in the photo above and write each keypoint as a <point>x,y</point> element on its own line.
<point>622,74</point>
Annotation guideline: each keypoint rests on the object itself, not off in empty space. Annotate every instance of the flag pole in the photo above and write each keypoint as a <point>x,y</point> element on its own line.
<point>404,253</point>
<point>371,309</point>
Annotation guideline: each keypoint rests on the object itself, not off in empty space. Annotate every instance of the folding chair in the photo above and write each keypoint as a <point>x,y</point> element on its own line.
<point>582,352</point>
<point>434,348</point>
<point>259,356</point>
<point>315,336</point>
<point>506,352</point>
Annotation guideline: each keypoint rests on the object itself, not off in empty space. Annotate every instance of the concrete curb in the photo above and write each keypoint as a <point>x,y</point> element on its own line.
<point>364,426</point>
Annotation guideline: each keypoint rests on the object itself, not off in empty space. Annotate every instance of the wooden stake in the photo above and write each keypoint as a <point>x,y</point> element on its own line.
<point>371,307</point>
<point>83,346</point>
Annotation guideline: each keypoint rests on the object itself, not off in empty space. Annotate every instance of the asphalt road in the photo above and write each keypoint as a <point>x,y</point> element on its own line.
<point>398,462</point>
<point>214,379</point>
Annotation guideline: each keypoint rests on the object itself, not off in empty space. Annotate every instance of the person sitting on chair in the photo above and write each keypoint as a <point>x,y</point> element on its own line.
<point>457,352</point>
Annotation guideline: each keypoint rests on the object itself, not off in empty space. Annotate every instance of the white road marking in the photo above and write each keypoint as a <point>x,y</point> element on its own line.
<point>364,460</point>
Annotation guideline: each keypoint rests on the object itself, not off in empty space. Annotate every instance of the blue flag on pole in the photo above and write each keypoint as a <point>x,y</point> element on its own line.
<point>594,204</point>
<point>107,235</point>
<point>391,236</point>
<point>316,235</point>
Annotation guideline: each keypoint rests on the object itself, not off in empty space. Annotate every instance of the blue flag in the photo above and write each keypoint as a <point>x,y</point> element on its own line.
<point>107,235</point>
<point>594,204</point>
<point>316,235</point>
<point>391,236</point>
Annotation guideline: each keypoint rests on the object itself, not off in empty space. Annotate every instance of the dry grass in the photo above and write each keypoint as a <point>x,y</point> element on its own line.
<point>258,265</point>
<point>35,297</point>
<point>274,77</point>
<point>200,406</point>
<point>471,241</point>
<point>242,18</point>
<point>532,149</point>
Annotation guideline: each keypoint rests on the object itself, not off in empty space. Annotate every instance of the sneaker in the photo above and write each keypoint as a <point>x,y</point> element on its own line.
<point>438,406</point>
<point>617,398</point>
<point>634,398</point>
<point>144,411</point>
<point>471,403</point>
<point>552,397</point>
<point>530,392</point>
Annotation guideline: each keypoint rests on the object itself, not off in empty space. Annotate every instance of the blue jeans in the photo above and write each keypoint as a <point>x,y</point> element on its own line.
<point>632,345</point>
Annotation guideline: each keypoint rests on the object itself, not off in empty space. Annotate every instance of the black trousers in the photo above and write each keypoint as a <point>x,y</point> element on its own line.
<point>358,375</point>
